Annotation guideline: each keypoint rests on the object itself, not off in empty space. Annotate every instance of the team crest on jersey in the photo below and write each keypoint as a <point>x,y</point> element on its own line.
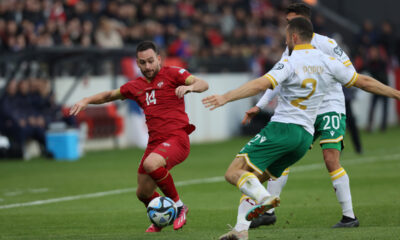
<point>182,71</point>
<point>338,50</point>
<point>160,84</point>
<point>166,144</point>
<point>278,66</point>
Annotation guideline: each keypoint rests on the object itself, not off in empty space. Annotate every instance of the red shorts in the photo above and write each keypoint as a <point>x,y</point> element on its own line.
<point>174,149</point>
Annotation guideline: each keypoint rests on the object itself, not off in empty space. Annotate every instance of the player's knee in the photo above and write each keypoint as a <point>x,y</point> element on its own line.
<point>230,177</point>
<point>150,165</point>
<point>153,162</point>
<point>331,154</point>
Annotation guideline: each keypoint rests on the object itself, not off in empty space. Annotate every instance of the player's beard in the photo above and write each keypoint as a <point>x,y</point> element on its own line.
<point>150,74</point>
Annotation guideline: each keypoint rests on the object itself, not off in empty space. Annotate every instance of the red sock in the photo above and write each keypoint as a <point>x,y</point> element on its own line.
<point>146,201</point>
<point>164,181</point>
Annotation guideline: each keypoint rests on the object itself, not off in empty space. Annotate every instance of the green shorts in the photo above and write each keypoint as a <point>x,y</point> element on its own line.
<point>330,128</point>
<point>276,147</point>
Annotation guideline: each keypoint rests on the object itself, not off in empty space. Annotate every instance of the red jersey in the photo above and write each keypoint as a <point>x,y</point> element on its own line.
<point>164,111</point>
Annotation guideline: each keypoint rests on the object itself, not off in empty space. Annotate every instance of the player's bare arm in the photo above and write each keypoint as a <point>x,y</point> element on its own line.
<point>246,90</point>
<point>193,84</point>
<point>100,98</point>
<point>372,85</point>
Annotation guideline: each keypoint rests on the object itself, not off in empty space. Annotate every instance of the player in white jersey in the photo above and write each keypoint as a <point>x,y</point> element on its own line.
<point>330,127</point>
<point>305,77</point>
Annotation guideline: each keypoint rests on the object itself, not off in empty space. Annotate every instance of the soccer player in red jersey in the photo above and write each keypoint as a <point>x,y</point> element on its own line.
<point>160,94</point>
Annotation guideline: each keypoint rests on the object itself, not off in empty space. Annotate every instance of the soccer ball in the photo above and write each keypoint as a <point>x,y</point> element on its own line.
<point>161,211</point>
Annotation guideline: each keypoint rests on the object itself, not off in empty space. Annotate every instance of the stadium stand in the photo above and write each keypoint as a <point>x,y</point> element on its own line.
<point>43,39</point>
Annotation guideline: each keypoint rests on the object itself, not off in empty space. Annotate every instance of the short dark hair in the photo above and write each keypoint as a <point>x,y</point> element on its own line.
<point>300,9</point>
<point>301,26</point>
<point>143,46</point>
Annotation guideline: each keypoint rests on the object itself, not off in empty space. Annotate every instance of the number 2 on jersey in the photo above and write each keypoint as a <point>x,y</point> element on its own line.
<point>151,98</point>
<point>297,101</point>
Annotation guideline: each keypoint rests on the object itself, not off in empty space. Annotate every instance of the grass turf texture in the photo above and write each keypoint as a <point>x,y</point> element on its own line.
<point>308,208</point>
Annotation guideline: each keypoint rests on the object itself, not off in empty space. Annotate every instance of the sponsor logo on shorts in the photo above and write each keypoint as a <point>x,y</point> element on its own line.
<point>332,133</point>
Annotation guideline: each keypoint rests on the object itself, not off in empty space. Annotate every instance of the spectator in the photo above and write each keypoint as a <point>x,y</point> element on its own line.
<point>14,124</point>
<point>387,38</point>
<point>107,36</point>
<point>378,69</point>
<point>351,121</point>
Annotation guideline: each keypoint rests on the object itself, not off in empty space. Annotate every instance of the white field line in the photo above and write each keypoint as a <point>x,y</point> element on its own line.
<point>303,168</point>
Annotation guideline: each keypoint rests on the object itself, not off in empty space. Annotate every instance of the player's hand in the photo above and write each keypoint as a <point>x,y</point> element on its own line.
<point>182,90</point>
<point>79,106</point>
<point>214,101</point>
<point>250,114</point>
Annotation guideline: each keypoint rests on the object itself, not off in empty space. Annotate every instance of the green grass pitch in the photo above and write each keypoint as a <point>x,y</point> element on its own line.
<point>94,197</point>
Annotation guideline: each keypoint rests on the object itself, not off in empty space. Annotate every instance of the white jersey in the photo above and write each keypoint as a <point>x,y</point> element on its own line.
<point>334,99</point>
<point>305,78</point>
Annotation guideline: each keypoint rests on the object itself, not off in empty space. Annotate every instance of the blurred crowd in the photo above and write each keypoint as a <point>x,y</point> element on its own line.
<point>26,109</point>
<point>376,54</point>
<point>186,28</point>
<point>238,28</point>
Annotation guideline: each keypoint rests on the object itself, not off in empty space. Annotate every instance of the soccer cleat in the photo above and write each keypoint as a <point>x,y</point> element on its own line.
<point>265,219</point>
<point>180,220</point>
<point>347,222</point>
<point>235,235</point>
<point>258,210</point>
<point>154,228</point>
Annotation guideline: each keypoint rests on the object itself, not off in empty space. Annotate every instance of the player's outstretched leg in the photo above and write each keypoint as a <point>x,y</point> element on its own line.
<point>249,184</point>
<point>274,187</point>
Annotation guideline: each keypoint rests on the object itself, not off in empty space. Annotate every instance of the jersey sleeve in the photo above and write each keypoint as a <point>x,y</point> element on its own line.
<point>342,74</point>
<point>127,90</point>
<point>267,97</point>
<point>179,75</point>
<point>330,47</point>
<point>279,73</point>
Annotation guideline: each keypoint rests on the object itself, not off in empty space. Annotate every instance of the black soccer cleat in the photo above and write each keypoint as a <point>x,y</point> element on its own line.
<point>265,219</point>
<point>347,222</point>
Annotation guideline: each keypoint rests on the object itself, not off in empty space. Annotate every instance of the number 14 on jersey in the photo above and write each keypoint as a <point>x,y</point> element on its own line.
<point>151,97</point>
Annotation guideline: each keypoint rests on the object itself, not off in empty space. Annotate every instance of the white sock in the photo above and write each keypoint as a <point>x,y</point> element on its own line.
<point>275,186</point>
<point>341,184</point>
<point>249,184</point>
<point>246,203</point>
<point>179,203</point>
